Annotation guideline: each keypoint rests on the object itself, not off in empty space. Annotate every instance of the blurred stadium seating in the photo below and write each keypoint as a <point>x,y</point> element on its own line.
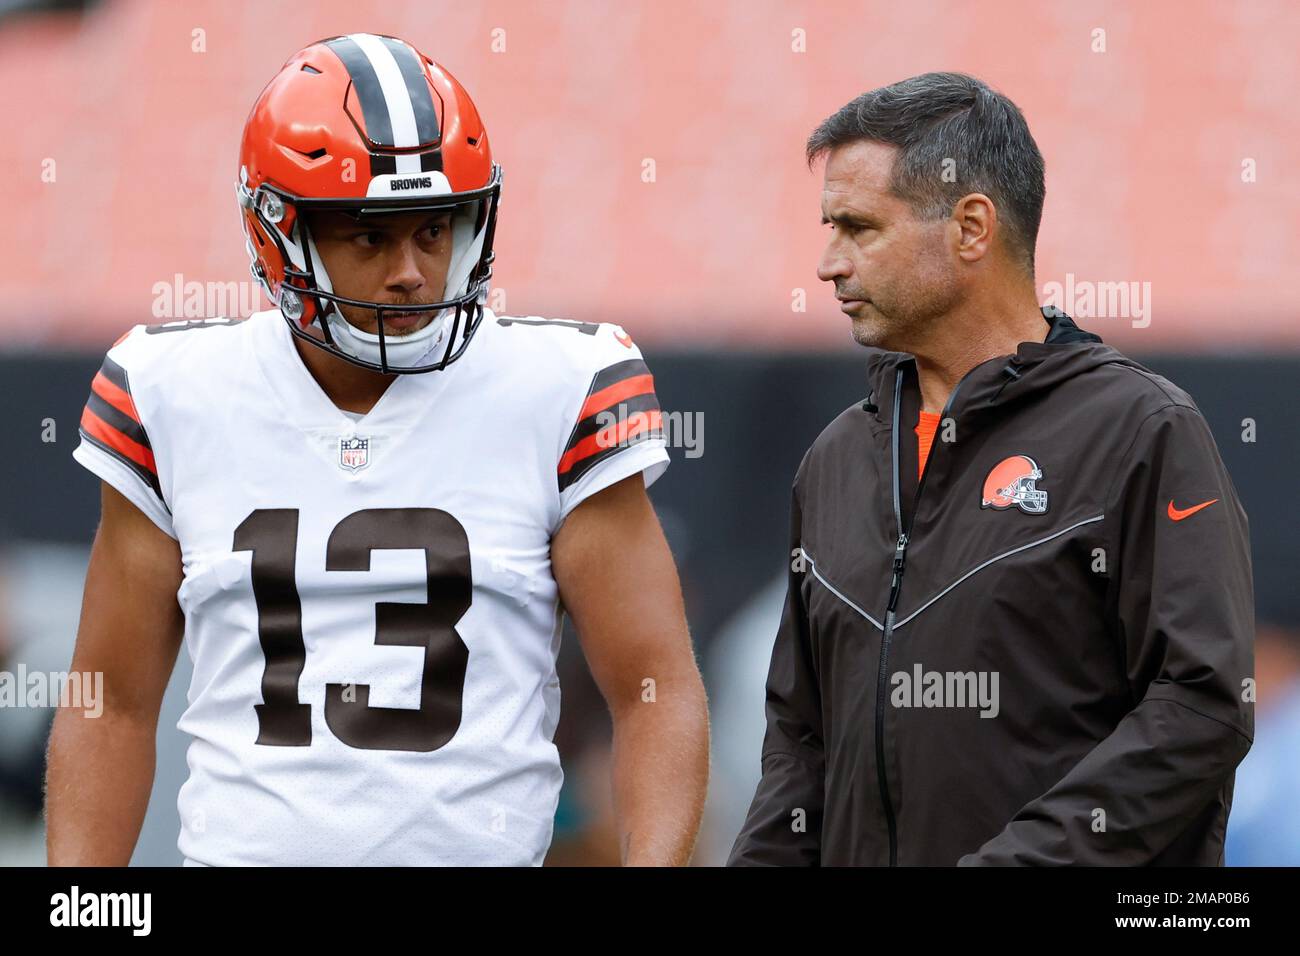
<point>1144,146</point>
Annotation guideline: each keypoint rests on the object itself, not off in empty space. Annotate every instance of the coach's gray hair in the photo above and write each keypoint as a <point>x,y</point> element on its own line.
<point>949,116</point>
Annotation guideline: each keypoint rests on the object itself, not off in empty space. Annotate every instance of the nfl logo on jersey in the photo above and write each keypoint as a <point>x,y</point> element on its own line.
<point>354,453</point>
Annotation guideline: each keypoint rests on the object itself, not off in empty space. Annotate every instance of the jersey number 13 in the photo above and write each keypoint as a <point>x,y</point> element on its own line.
<point>283,721</point>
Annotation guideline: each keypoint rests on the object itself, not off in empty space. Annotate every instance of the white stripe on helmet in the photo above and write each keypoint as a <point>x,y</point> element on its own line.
<point>401,116</point>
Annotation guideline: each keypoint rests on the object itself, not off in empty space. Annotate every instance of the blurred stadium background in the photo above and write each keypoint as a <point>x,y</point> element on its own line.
<point>654,177</point>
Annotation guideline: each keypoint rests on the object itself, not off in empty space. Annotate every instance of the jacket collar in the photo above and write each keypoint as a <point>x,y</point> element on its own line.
<point>1062,332</point>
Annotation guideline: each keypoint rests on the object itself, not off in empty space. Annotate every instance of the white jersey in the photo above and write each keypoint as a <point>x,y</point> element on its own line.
<point>369,604</point>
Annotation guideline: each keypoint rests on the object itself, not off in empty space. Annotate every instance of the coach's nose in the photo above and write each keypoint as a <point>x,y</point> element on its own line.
<point>833,265</point>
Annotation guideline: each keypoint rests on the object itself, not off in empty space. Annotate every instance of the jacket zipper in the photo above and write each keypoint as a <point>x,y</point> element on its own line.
<point>895,584</point>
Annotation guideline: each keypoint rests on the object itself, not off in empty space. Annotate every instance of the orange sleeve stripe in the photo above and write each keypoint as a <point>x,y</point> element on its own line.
<point>619,391</point>
<point>115,396</point>
<point>611,437</point>
<point>100,430</point>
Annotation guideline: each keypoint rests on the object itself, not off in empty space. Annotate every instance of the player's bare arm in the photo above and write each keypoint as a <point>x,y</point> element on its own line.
<point>618,582</point>
<point>101,769</point>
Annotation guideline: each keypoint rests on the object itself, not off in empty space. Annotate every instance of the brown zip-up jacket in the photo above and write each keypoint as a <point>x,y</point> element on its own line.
<point>1040,653</point>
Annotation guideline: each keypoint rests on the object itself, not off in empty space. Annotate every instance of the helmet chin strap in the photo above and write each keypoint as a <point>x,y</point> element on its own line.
<point>401,350</point>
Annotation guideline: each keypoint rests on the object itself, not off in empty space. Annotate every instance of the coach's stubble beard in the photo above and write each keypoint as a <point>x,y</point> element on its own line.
<point>902,315</point>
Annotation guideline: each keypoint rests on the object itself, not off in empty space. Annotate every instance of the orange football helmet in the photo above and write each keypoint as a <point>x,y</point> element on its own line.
<point>1011,484</point>
<point>367,124</point>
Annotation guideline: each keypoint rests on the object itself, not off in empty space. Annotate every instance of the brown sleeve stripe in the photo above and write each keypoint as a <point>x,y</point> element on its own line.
<point>617,412</point>
<point>606,442</point>
<point>619,371</point>
<point>619,391</point>
<point>114,418</point>
<point>621,409</point>
<point>113,397</point>
<point>111,422</point>
<point>139,460</point>
<point>115,374</point>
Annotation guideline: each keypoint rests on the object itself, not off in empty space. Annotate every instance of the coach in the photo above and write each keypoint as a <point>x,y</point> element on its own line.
<point>1019,627</point>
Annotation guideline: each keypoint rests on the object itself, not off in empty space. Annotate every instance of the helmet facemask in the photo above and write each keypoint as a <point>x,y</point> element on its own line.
<point>306,296</point>
<point>1026,495</point>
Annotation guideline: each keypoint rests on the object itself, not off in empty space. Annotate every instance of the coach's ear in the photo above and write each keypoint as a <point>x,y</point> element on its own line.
<point>976,219</point>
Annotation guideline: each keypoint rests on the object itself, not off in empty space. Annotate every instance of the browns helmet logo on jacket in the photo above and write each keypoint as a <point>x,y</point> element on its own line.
<point>1011,484</point>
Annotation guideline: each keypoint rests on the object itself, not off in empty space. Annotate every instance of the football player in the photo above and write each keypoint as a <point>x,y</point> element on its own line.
<point>364,510</point>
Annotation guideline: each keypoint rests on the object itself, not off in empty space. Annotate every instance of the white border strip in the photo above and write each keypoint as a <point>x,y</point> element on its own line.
<point>830,587</point>
<point>1005,554</point>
